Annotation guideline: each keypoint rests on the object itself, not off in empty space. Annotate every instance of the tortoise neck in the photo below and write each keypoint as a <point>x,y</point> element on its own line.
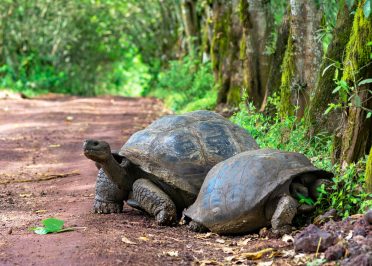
<point>119,173</point>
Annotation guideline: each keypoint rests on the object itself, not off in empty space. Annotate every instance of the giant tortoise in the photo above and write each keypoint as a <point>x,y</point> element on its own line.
<point>255,189</point>
<point>162,167</point>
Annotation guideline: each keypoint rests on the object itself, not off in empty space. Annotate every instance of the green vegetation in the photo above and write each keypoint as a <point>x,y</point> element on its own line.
<point>87,47</point>
<point>186,86</point>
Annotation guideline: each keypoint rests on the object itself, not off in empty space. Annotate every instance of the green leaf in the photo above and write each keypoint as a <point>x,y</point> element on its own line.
<point>305,200</point>
<point>365,81</point>
<point>367,8</point>
<point>369,114</point>
<point>40,230</point>
<point>325,70</point>
<point>357,101</point>
<point>350,3</point>
<point>53,224</point>
<point>344,85</point>
<point>336,89</point>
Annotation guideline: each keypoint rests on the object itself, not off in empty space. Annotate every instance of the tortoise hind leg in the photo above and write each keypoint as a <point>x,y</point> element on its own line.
<point>154,201</point>
<point>109,198</point>
<point>285,211</point>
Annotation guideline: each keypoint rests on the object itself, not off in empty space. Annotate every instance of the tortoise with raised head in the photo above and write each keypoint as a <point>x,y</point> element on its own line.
<point>164,165</point>
<point>255,189</point>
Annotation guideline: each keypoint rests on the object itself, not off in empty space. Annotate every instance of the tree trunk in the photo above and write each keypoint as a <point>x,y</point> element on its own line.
<point>322,94</point>
<point>304,53</point>
<point>190,23</point>
<point>238,49</point>
<point>225,51</point>
<point>274,77</point>
<point>262,23</point>
<point>357,134</point>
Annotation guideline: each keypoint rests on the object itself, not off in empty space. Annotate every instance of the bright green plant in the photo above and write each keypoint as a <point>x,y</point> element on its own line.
<point>348,193</point>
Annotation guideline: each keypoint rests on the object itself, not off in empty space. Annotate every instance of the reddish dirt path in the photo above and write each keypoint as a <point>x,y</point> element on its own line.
<point>43,139</point>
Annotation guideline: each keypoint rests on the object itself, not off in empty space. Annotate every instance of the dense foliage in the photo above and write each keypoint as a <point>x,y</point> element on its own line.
<point>79,47</point>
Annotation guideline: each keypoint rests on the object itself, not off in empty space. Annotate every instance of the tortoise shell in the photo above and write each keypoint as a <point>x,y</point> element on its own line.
<point>181,149</point>
<point>238,192</point>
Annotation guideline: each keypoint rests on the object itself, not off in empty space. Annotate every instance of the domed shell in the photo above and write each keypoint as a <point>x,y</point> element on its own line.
<point>236,191</point>
<point>181,149</point>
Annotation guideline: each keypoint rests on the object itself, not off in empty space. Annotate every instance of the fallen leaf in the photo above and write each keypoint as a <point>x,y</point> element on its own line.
<point>357,216</point>
<point>200,251</point>
<point>230,258</point>
<point>143,238</point>
<point>244,242</point>
<point>127,241</point>
<point>69,118</point>
<point>54,145</point>
<point>288,253</point>
<point>265,263</point>
<point>171,253</point>
<point>228,250</point>
<point>207,262</point>
<point>207,235</point>
<point>300,258</point>
<point>349,235</point>
<point>40,211</point>
<point>220,240</point>
<point>26,195</point>
<point>255,255</point>
<point>287,239</point>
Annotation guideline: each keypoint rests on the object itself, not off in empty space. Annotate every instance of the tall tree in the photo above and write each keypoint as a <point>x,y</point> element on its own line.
<point>191,24</point>
<point>302,57</point>
<point>357,130</point>
<point>240,32</point>
<point>322,95</point>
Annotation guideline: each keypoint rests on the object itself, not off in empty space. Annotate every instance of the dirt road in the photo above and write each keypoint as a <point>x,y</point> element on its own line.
<point>43,173</point>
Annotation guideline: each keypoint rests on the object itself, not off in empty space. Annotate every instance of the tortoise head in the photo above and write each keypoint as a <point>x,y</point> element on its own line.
<point>97,150</point>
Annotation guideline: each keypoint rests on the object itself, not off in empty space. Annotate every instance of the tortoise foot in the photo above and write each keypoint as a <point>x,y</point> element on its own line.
<point>164,218</point>
<point>197,227</point>
<point>107,207</point>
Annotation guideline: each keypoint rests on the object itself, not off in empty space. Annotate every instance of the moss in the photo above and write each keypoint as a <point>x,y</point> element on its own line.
<point>357,51</point>
<point>368,177</point>
<point>233,96</point>
<point>242,48</point>
<point>285,106</point>
<point>243,12</point>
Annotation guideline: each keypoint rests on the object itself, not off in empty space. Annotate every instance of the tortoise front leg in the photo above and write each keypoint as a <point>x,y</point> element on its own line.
<point>286,210</point>
<point>109,198</point>
<point>154,201</point>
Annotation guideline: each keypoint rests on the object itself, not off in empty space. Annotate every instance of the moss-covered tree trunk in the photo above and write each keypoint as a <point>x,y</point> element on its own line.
<point>357,132</point>
<point>225,51</point>
<point>238,55</point>
<point>191,25</point>
<point>256,34</point>
<point>322,95</point>
<point>274,77</point>
<point>302,57</point>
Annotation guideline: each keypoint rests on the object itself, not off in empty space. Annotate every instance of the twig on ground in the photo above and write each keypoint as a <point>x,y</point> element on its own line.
<point>44,177</point>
